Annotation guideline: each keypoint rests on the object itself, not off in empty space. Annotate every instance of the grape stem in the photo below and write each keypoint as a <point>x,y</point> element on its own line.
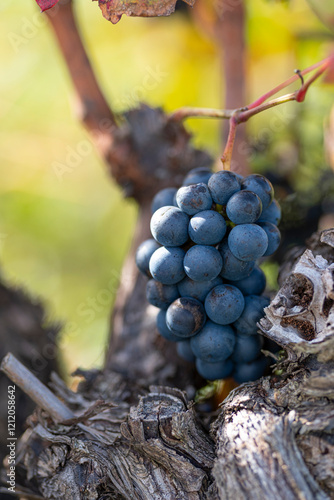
<point>243,114</point>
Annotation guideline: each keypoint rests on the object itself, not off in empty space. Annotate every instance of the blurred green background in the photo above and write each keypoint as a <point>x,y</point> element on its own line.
<point>64,237</point>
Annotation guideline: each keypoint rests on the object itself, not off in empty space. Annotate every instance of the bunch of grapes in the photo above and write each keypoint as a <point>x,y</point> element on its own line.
<point>207,238</point>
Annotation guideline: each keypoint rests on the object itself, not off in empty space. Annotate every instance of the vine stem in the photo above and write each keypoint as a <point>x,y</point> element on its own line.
<point>241,115</point>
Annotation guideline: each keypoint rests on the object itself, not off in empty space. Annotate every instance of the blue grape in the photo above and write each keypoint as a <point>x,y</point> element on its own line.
<point>254,284</point>
<point>196,175</point>
<point>214,342</point>
<point>233,268</point>
<point>214,371</point>
<point>224,304</point>
<point>247,348</point>
<point>251,315</point>
<point>194,198</point>
<point>169,226</point>
<point>166,265</point>
<point>197,289</point>
<point>163,198</point>
<point>223,185</point>
<point>163,328</point>
<point>244,207</point>
<point>202,263</point>
<point>207,228</point>
<point>143,255</point>
<point>160,295</point>
<point>274,237</point>
<point>261,186</point>
<point>184,350</point>
<point>248,242</point>
<point>185,317</point>
<point>272,214</point>
<point>248,372</point>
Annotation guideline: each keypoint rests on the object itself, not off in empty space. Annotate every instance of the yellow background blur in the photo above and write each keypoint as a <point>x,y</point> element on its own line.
<point>64,237</point>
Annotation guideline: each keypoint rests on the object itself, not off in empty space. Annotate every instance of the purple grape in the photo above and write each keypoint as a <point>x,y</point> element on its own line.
<point>169,226</point>
<point>214,371</point>
<point>233,268</point>
<point>248,372</point>
<point>197,289</point>
<point>160,295</point>
<point>274,237</point>
<point>185,317</point>
<point>163,198</point>
<point>194,198</point>
<point>254,284</point>
<point>143,255</point>
<point>251,315</point>
<point>272,214</point>
<point>261,186</point>
<point>207,228</point>
<point>244,207</point>
<point>224,304</point>
<point>202,263</point>
<point>163,328</point>
<point>196,175</point>
<point>184,350</point>
<point>248,242</point>
<point>247,348</point>
<point>166,265</point>
<point>214,342</point>
<point>223,185</point>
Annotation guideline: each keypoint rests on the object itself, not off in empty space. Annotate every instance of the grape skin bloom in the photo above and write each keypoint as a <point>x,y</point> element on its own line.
<point>224,304</point>
<point>202,263</point>
<point>169,226</point>
<point>248,242</point>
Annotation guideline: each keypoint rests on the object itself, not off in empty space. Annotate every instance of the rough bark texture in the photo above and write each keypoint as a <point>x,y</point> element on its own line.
<point>25,332</point>
<point>273,435</point>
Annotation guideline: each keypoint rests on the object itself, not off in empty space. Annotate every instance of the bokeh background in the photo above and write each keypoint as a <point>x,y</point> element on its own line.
<point>64,225</point>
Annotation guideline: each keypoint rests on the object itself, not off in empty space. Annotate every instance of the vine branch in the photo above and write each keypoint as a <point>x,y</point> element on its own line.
<point>241,115</point>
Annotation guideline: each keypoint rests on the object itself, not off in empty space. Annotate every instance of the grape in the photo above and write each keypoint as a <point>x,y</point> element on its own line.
<point>214,371</point>
<point>233,268</point>
<point>143,255</point>
<point>272,213</point>
<point>184,351</point>
<point>274,237</point>
<point>166,265</point>
<point>163,198</point>
<point>160,295</point>
<point>197,289</point>
<point>202,263</point>
<point>247,348</point>
<point>194,198</point>
<point>163,328</point>
<point>244,207</point>
<point>207,227</point>
<point>196,175</point>
<point>185,317</point>
<point>205,282</point>
<point>169,226</point>
<point>254,284</point>
<point>261,186</point>
<point>252,313</point>
<point>223,185</point>
<point>213,343</point>
<point>245,372</point>
<point>224,304</point>
<point>248,242</point>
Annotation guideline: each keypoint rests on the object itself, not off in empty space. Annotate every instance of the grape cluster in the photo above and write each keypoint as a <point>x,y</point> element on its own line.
<point>207,238</point>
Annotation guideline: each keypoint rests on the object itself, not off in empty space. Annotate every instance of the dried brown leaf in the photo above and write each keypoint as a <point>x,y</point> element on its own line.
<point>113,10</point>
